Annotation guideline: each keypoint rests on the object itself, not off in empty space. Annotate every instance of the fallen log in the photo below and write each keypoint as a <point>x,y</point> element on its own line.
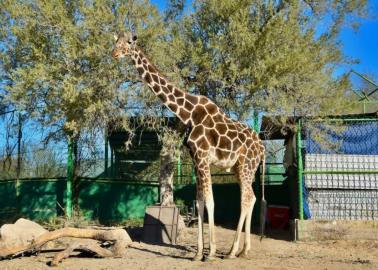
<point>80,246</point>
<point>118,237</point>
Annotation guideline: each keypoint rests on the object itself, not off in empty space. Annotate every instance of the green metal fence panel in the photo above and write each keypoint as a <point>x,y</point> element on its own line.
<point>40,199</point>
<point>115,201</point>
<point>8,201</point>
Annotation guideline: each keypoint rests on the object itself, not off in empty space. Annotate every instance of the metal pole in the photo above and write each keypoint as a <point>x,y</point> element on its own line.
<point>69,178</point>
<point>300,169</point>
<point>106,153</point>
<point>19,158</point>
<point>179,169</point>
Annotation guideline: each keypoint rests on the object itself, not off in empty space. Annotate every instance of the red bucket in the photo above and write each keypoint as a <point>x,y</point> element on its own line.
<point>278,216</point>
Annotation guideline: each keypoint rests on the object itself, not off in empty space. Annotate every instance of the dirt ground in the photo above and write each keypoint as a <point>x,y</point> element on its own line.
<point>269,254</point>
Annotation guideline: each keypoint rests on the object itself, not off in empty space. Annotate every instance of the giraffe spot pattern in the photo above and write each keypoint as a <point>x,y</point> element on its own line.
<point>208,122</point>
<point>148,78</point>
<point>184,114</point>
<point>197,114</point>
<point>180,101</point>
<point>173,107</point>
<point>192,99</point>
<point>156,88</point>
<point>177,92</point>
<point>155,78</point>
<point>189,106</point>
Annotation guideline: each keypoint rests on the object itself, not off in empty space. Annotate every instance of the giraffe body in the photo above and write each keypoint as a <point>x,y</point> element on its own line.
<point>214,139</point>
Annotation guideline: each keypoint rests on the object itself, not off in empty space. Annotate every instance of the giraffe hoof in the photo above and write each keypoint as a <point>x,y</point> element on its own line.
<point>198,257</point>
<point>243,255</point>
<point>230,256</point>
<point>209,258</point>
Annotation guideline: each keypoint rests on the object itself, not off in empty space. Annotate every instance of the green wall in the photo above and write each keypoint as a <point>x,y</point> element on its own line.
<point>113,201</point>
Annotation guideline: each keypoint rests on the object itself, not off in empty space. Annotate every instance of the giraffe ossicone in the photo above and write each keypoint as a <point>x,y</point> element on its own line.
<point>214,139</point>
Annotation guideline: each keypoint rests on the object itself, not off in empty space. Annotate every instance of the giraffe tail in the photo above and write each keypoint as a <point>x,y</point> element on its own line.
<point>263,205</point>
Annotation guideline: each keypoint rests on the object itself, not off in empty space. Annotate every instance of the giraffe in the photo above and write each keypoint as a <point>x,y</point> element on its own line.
<point>214,139</point>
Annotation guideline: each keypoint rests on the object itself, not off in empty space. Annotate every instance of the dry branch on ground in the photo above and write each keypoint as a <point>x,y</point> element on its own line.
<point>86,239</point>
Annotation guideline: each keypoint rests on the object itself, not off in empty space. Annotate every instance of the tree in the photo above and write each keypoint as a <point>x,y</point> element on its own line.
<point>278,57</point>
<point>64,76</point>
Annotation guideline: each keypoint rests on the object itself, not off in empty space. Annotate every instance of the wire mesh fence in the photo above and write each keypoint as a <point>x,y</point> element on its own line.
<point>341,168</point>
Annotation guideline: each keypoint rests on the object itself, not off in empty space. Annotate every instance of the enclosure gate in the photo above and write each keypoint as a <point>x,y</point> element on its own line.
<point>340,169</point>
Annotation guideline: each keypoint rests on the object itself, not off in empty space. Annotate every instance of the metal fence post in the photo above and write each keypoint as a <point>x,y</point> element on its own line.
<point>70,172</point>
<point>179,170</point>
<point>300,168</point>
<point>106,153</point>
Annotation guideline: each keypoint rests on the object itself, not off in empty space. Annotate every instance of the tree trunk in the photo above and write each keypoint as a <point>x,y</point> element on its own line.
<point>119,236</point>
<point>167,168</point>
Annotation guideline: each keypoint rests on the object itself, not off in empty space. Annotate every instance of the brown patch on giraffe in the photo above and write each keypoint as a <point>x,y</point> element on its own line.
<point>242,137</point>
<point>173,107</point>
<point>232,127</point>
<point>197,132</point>
<point>165,89</point>
<point>141,56</point>
<point>198,114</point>
<point>192,99</point>
<point>156,88</point>
<point>224,143</point>
<point>208,122</point>
<point>171,98</point>
<point>255,152</point>
<point>162,97</point>
<point>177,92</point>
<point>151,69</point>
<point>170,87</point>
<point>180,101</point>
<point>184,114</point>
<point>218,118</point>
<point>140,70</point>
<point>253,162</point>
<point>139,61</point>
<point>155,78</point>
<point>236,144</point>
<point>222,154</point>
<point>145,62</point>
<point>163,81</point>
<point>203,144</point>
<point>231,134</point>
<point>203,100</point>
<point>188,106</point>
<point>221,128</point>
<point>148,78</point>
<point>212,136</point>
<point>212,108</point>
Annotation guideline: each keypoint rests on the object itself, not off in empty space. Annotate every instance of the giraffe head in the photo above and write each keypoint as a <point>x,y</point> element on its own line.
<point>125,42</point>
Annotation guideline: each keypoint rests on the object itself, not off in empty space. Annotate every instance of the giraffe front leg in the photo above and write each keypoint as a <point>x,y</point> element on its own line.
<point>200,204</point>
<point>247,241</point>
<point>210,212</point>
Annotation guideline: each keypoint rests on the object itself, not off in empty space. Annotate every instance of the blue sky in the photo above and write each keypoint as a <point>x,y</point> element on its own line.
<point>361,45</point>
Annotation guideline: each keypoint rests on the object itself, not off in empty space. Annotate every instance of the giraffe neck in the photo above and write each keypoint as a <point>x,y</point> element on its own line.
<point>171,96</point>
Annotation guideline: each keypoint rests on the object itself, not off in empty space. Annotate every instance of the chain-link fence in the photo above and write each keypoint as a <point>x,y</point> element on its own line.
<point>341,168</point>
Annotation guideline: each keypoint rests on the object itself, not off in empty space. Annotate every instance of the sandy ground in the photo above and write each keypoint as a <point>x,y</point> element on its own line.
<point>269,254</point>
